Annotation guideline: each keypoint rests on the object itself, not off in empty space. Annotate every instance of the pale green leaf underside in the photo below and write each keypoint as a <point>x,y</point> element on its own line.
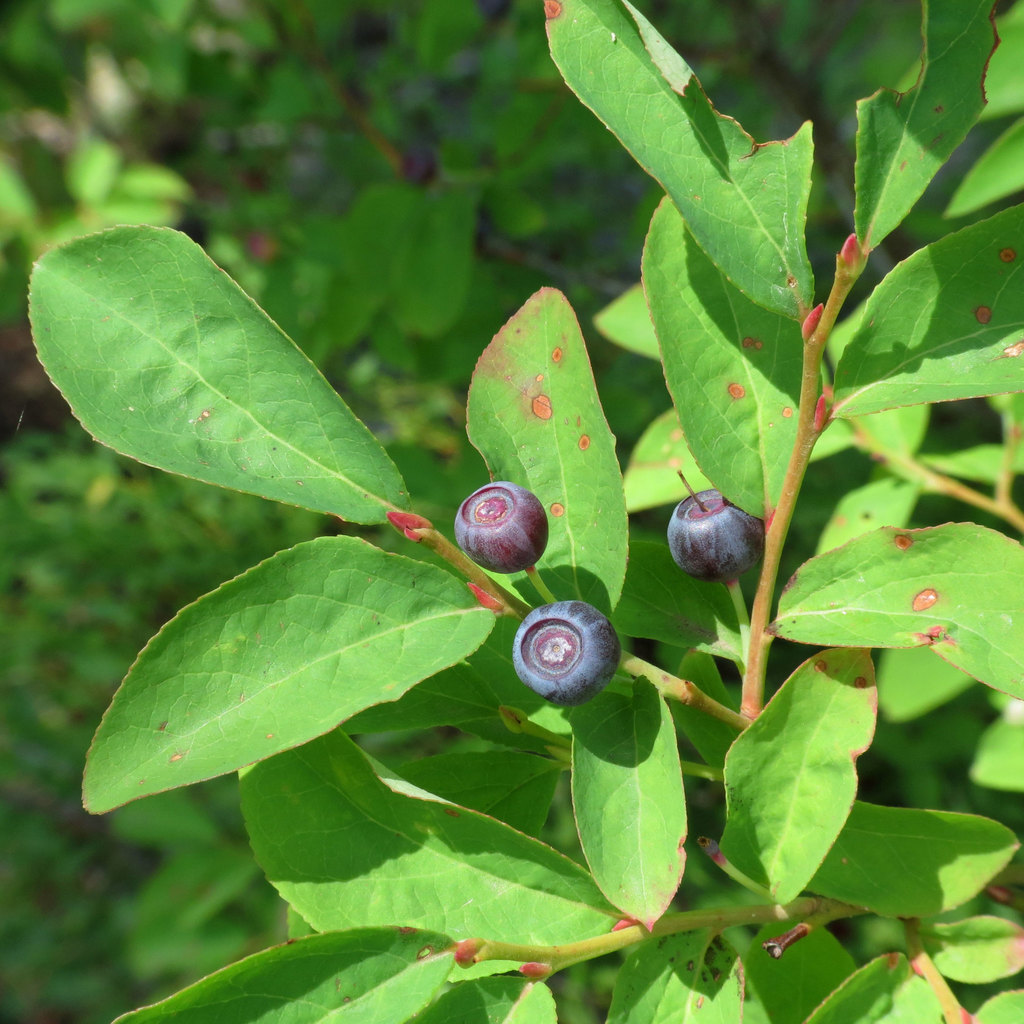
<point>275,657</point>
<point>164,358</point>
<point>746,204</point>
<point>347,851</point>
<point>947,323</point>
<point>732,367</point>
<point>904,138</point>
<point>957,589</point>
<point>365,976</point>
<point>535,416</point>
<point>791,777</point>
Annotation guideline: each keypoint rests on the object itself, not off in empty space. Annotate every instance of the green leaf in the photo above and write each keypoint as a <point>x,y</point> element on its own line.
<point>711,737</point>
<point>627,323</point>
<point>652,475</point>
<point>745,203</point>
<point>887,501</point>
<point>345,851</point>
<point>1004,89</point>
<point>1005,1008</point>
<point>500,1000</point>
<point>688,978</point>
<point>997,173</point>
<point>790,778</point>
<point>164,358</point>
<point>732,367</point>
<point>661,602</point>
<point>903,862</point>
<point>955,588</point>
<point>513,787</point>
<point>534,414</point>
<point>791,987</point>
<point>977,950</point>
<point>983,463</point>
<point>627,795</point>
<point>371,975</point>
<point>999,760</point>
<point>904,138</point>
<point>911,682</point>
<point>945,324</point>
<point>884,991</point>
<point>274,657</point>
<point>900,431</point>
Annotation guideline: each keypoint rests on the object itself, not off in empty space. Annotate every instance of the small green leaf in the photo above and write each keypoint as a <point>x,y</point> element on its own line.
<point>790,779</point>
<point>903,862</point>
<point>513,787</point>
<point>904,138</point>
<point>652,475</point>
<point>711,737</point>
<point>912,682</point>
<point>945,324</point>
<point>1005,1008</point>
<point>983,463</point>
<point>627,794</point>
<point>164,358</point>
<point>347,851</point>
<point>884,991</point>
<point>500,1000</point>
<point>627,322</point>
<point>789,988</point>
<point>660,602</point>
<point>688,978</point>
<point>366,976</point>
<point>274,657</point>
<point>999,760</point>
<point>997,173</point>
<point>732,367</point>
<point>957,589</point>
<point>745,203</point>
<point>534,415</point>
<point>976,950</point>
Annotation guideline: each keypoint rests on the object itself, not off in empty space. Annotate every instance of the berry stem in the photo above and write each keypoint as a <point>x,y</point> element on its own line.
<point>681,690</point>
<point>518,721</point>
<point>702,771</point>
<point>808,430</point>
<point>540,586</point>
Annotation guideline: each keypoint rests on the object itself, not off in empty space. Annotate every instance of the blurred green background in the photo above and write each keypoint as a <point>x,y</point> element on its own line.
<point>390,180</point>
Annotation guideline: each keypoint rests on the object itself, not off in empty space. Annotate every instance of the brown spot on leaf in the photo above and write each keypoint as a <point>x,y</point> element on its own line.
<point>176,757</point>
<point>754,343</point>
<point>787,412</point>
<point>1012,351</point>
<point>820,666</point>
<point>860,682</point>
<point>451,813</point>
<point>269,736</point>
<point>161,727</point>
<point>737,390</point>
<point>558,509</point>
<point>1007,255</point>
<point>939,109</point>
<point>924,600</point>
<point>983,314</point>
<point>542,407</point>
<point>552,9</point>
<point>422,954</point>
<point>556,356</point>
<point>539,377</point>
<point>902,541</point>
<point>584,443</point>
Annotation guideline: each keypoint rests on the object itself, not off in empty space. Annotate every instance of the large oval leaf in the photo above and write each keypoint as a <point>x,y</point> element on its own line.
<point>164,358</point>
<point>274,657</point>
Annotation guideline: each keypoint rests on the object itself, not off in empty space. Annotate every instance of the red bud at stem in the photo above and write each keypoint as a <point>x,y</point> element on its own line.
<point>811,321</point>
<point>535,970</point>
<point>408,523</point>
<point>466,951</point>
<point>491,603</point>
<point>850,252</point>
<point>819,415</point>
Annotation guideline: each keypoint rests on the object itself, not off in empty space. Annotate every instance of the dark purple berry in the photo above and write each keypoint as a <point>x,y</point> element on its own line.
<point>566,652</point>
<point>502,527</point>
<point>712,539</point>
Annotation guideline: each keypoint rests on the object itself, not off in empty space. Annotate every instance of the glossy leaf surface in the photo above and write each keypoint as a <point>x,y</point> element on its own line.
<point>956,589</point>
<point>535,416</point>
<point>790,778</point>
<point>346,851</point>
<point>276,656</point>
<point>164,358</point>
<point>627,795</point>
<point>745,203</point>
<point>884,991</point>
<point>944,324</point>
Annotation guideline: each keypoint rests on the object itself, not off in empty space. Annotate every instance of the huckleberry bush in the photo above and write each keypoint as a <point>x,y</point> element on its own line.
<point>428,894</point>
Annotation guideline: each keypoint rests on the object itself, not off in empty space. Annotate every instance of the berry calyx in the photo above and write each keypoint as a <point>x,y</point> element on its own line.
<point>502,527</point>
<point>713,540</point>
<point>567,652</point>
